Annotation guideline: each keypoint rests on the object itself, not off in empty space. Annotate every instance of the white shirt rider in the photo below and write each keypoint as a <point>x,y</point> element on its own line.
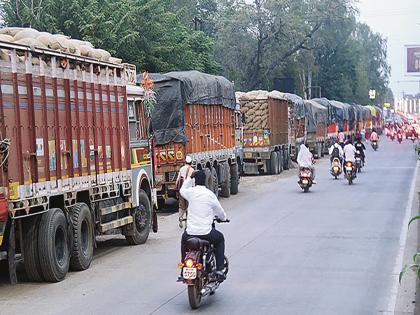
<point>340,150</point>
<point>350,152</point>
<point>203,206</point>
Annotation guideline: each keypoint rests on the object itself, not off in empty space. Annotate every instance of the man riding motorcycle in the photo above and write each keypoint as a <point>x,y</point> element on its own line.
<point>336,151</point>
<point>350,153</point>
<point>203,206</point>
<point>361,148</point>
<point>306,159</point>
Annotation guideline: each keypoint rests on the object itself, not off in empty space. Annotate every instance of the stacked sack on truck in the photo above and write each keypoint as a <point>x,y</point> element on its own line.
<point>254,106</point>
<point>58,42</point>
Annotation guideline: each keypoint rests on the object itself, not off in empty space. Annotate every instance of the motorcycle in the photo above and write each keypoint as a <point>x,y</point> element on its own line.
<point>199,267</point>
<point>399,136</point>
<point>413,138</point>
<point>375,145</point>
<point>350,173</point>
<point>392,137</point>
<point>305,178</point>
<point>336,167</point>
<point>359,162</point>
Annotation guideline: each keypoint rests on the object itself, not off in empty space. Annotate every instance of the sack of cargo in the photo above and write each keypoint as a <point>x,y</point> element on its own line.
<point>100,54</point>
<point>85,50</point>
<point>31,42</point>
<point>26,33</point>
<point>12,31</point>
<point>59,42</point>
<point>6,38</point>
<point>115,60</point>
<point>4,55</point>
<point>82,43</point>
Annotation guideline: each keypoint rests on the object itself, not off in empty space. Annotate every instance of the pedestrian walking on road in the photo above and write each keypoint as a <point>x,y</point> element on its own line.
<point>184,173</point>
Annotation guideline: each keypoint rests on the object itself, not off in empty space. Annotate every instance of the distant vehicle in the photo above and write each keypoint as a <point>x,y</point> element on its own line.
<point>350,171</point>
<point>336,168</point>
<point>305,178</point>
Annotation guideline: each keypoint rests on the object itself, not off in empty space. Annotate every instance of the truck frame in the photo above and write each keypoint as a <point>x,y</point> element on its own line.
<point>70,167</point>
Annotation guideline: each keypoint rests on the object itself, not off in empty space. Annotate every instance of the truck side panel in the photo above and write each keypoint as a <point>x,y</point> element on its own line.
<point>60,127</point>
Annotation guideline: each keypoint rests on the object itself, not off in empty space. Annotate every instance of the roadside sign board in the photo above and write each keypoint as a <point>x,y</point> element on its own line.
<point>412,60</point>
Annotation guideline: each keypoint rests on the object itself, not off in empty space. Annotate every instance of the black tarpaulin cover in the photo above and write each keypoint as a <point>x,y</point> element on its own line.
<point>174,90</point>
<point>316,114</point>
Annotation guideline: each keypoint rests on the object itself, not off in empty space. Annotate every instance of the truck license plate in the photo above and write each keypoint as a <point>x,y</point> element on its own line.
<point>189,273</point>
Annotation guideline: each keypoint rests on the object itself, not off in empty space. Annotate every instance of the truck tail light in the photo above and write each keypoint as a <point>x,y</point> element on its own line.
<point>3,209</point>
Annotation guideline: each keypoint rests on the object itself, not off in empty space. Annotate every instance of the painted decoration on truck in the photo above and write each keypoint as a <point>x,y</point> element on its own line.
<point>75,154</point>
<point>39,147</point>
<point>83,153</point>
<point>63,149</point>
<point>53,155</point>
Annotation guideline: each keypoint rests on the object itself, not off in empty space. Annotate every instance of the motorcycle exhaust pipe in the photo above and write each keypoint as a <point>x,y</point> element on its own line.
<point>209,289</point>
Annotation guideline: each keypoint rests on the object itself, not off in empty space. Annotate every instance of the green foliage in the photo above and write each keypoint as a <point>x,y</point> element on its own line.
<point>251,42</point>
<point>144,32</point>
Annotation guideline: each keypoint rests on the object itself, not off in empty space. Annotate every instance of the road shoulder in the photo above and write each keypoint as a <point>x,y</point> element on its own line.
<point>407,300</point>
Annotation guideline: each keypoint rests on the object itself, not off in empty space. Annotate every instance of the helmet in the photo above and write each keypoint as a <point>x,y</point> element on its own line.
<point>188,159</point>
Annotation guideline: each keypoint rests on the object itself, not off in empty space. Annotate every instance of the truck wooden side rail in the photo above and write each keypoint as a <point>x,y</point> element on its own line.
<point>195,116</point>
<point>69,168</point>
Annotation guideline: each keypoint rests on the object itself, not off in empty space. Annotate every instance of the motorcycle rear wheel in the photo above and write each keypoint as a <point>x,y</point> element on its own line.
<point>194,296</point>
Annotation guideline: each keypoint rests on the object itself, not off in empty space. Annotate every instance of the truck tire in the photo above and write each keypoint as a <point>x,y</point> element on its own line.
<point>280,159</point>
<point>234,179</point>
<point>53,242</point>
<point>83,237</point>
<point>30,249</point>
<point>225,185</point>
<point>215,181</point>
<point>286,161</point>
<point>142,216</point>
<point>274,163</point>
<point>209,178</point>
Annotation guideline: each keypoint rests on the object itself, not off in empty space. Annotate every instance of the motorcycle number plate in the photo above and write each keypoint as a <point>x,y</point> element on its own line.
<point>335,169</point>
<point>348,168</point>
<point>189,273</point>
<point>305,181</point>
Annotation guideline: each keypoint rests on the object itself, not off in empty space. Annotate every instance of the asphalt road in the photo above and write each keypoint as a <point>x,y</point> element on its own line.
<point>330,251</point>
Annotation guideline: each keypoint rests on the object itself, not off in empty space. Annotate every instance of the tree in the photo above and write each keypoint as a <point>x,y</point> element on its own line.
<point>146,33</point>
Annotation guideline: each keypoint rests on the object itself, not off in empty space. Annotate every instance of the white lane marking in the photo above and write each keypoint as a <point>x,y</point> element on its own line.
<point>403,239</point>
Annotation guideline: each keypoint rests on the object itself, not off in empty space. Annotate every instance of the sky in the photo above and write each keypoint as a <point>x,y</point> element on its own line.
<point>399,22</point>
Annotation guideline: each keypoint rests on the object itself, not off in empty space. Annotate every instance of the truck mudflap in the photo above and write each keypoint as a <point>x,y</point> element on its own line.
<point>8,250</point>
<point>250,168</point>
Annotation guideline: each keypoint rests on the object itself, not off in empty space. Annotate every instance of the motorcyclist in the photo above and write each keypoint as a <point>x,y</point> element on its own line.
<point>374,136</point>
<point>203,206</point>
<point>341,137</point>
<point>336,151</point>
<point>361,148</point>
<point>350,153</point>
<point>306,159</point>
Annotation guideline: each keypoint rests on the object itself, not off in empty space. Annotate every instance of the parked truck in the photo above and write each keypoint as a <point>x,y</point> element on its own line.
<point>195,115</point>
<point>75,159</point>
<point>266,132</point>
<point>316,136</point>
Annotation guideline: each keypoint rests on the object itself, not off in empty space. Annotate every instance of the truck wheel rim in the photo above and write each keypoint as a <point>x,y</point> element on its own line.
<point>60,244</point>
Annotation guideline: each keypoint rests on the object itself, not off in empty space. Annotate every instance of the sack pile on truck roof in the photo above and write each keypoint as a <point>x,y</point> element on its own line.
<point>58,42</point>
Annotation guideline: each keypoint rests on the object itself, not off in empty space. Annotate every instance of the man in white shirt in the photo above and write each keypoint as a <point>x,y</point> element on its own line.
<point>184,172</point>
<point>349,152</point>
<point>336,151</point>
<point>203,206</point>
